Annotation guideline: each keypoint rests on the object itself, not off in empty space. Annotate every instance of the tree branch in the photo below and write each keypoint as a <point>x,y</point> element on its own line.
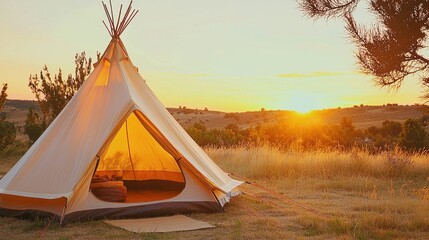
<point>327,8</point>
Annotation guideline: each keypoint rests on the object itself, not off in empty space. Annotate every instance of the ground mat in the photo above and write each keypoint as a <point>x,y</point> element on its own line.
<point>160,224</point>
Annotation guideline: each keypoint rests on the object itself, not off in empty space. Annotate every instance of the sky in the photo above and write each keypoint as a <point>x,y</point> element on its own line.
<point>229,55</point>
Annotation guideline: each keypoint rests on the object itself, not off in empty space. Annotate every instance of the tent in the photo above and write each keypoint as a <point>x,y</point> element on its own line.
<point>115,129</point>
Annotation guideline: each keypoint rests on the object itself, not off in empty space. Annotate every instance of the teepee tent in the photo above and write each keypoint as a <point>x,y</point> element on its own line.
<point>114,129</point>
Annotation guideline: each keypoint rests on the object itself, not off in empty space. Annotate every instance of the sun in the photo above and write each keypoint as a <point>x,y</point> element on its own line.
<point>302,108</point>
<point>304,103</point>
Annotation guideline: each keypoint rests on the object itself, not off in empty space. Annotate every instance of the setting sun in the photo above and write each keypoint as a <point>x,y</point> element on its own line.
<point>305,102</point>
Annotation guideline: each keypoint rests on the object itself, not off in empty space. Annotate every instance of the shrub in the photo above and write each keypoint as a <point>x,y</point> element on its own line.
<point>413,135</point>
<point>33,127</point>
<point>3,96</point>
<point>7,133</point>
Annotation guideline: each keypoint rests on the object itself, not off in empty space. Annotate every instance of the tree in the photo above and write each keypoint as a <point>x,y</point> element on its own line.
<point>7,133</point>
<point>3,96</point>
<point>53,94</point>
<point>7,129</point>
<point>413,135</point>
<point>391,128</point>
<point>33,126</point>
<point>391,49</point>
<point>346,132</point>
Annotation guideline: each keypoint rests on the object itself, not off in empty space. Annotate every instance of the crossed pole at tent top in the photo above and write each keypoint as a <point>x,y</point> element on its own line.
<point>115,30</point>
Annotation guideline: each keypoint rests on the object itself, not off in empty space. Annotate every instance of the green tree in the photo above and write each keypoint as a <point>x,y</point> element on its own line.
<point>53,93</point>
<point>347,132</point>
<point>7,133</point>
<point>392,48</point>
<point>413,135</point>
<point>33,126</point>
<point>3,96</point>
<point>7,129</point>
<point>387,136</point>
<point>391,128</point>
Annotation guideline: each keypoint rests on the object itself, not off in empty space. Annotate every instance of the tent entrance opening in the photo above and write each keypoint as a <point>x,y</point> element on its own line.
<point>137,166</point>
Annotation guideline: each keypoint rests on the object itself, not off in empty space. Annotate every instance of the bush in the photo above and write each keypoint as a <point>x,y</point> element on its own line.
<point>229,136</point>
<point>385,137</point>
<point>33,125</point>
<point>3,96</point>
<point>413,135</point>
<point>7,133</point>
<point>33,131</point>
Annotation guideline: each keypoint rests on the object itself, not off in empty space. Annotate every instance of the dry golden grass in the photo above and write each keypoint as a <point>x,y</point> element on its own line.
<point>268,162</point>
<point>357,196</point>
<point>360,195</point>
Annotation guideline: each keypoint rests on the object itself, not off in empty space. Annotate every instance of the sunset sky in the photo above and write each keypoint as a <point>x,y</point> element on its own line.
<point>224,55</point>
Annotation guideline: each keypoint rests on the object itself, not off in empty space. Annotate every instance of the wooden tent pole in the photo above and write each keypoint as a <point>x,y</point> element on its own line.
<point>108,16</point>
<point>116,28</point>
<point>131,18</point>
<point>119,17</point>
<point>125,17</point>
<point>107,28</point>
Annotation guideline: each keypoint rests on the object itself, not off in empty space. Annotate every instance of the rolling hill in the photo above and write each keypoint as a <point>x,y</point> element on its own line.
<point>362,117</point>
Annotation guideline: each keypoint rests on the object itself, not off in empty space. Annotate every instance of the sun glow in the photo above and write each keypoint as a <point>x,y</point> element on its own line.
<point>306,102</point>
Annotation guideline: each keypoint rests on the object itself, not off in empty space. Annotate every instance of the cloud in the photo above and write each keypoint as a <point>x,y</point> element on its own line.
<point>314,74</point>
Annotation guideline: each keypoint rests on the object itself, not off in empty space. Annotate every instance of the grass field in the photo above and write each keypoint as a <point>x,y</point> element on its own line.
<point>341,195</point>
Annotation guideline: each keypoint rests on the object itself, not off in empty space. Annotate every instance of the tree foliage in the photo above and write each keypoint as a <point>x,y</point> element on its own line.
<point>392,48</point>
<point>33,126</point>
<point>54,92</point>
<point>7,133</point>
<point>386,136</point>
<point>413,135</point>
<point>7,129</point>
<point>3,96</point>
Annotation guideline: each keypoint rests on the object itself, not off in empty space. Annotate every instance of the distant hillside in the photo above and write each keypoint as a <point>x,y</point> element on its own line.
<point>366,116</point>
<point>362,117</point>
<point>21,104</point>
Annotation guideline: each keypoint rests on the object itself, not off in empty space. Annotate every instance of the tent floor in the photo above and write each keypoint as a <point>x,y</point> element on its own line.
<point>151,190</point>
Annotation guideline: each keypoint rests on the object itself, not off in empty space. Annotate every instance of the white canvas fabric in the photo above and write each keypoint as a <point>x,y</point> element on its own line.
<point>61,162</point>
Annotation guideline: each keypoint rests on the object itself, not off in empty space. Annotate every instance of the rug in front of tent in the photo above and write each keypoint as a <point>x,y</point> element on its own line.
<point>174,223</point>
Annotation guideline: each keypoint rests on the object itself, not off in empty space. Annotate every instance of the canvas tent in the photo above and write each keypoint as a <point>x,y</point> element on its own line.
<point>114,126</point>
